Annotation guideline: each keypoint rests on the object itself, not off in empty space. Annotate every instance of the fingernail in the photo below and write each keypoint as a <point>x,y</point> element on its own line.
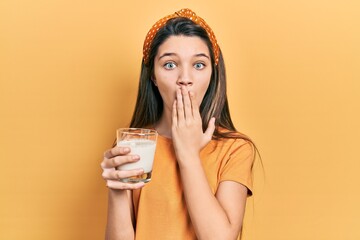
<point>135,157</point>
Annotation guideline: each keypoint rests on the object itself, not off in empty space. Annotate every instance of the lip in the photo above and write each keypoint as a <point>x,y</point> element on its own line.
<point>185,87</point>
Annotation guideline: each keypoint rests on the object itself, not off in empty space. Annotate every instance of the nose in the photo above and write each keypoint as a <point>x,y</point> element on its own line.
<point>184,78</point>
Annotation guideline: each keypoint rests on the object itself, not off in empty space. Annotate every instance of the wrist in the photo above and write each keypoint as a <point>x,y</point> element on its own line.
<point>117,193</point>
<point>188,160</point>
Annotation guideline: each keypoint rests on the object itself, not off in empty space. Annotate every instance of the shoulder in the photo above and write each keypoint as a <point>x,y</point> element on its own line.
<point>234,139</point>
<point>231,148</point>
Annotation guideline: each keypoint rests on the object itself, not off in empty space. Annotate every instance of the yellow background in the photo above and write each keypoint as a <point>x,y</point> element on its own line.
<point>69,73</point>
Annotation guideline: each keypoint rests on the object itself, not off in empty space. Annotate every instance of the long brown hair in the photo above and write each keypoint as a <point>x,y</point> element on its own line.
<point>149,104</point>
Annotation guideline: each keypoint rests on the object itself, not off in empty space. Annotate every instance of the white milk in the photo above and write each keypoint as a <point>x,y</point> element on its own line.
<point>145,149</point>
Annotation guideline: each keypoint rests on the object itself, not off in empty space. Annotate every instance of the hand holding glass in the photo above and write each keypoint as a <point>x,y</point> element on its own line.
<point>142,142</point>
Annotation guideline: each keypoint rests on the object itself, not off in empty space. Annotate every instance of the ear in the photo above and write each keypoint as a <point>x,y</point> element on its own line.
<point>153,80</point>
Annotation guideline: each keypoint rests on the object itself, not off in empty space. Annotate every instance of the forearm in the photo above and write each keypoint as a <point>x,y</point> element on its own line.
<point>119,221</point>
<point>207,215</point>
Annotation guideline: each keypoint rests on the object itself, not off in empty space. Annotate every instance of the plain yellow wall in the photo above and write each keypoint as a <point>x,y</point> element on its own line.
<point>68,79</point>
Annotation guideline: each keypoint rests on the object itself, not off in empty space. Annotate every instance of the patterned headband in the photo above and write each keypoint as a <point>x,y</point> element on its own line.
<point>187,13</point>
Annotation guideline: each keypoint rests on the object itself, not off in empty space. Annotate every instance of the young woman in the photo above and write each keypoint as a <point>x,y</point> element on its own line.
<point>202,169</point>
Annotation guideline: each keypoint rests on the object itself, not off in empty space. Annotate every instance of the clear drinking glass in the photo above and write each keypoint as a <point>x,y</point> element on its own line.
<point>142,142</point>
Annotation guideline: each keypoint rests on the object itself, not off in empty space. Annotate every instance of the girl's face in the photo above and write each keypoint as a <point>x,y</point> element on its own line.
<point>182,61</point>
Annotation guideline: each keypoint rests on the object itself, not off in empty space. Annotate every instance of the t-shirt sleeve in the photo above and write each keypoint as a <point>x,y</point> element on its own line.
<point>239,163</point>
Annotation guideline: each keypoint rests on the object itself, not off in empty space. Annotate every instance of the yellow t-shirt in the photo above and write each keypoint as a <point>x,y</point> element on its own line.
<point>160,207</point>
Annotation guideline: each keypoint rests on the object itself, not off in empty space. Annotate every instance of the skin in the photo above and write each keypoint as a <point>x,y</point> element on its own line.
<point>182,74</point>
<point>178,70</point>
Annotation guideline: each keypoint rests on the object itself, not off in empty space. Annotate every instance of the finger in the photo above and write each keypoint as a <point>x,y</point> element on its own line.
<point>115,151</point>
<point>210,130</point>
<point>187,103</point>
<point>180,106</point>
<point>194,104</point>
<point>113,184</point>
<point>118,160</point>
<point>110,174</point>
<point>174,114</point>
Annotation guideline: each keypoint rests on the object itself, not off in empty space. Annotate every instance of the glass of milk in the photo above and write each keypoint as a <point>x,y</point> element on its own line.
<point>142,142</point>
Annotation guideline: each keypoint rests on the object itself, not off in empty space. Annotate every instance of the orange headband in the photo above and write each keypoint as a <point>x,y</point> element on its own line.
<point>187,13</point>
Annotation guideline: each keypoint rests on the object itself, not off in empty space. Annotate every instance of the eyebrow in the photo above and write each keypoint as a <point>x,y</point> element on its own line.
<point>167,54</point>
<point>174,54</point>
<point>202,55</point>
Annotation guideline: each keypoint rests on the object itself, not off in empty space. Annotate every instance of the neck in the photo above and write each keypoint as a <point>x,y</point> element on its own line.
<point>163,126</point>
